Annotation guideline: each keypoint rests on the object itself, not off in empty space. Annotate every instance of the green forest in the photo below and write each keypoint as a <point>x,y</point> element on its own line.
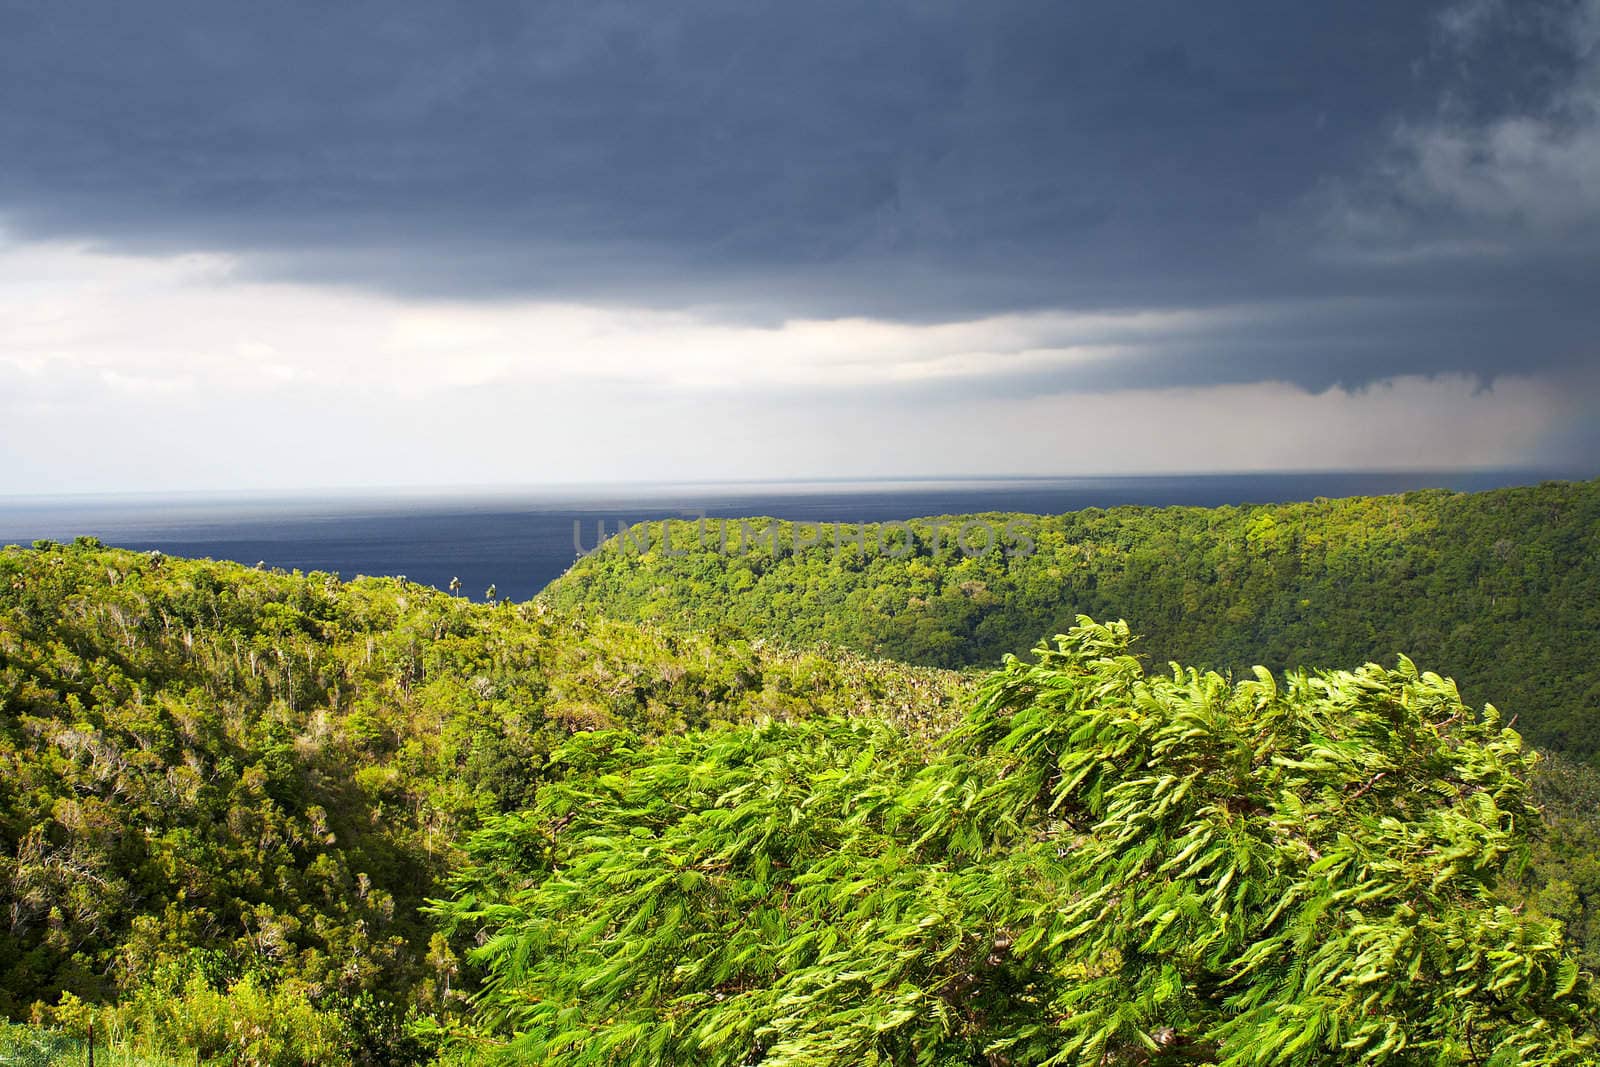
<point>1499,588</point>
<point>739,804</point>
<point>227,793</point>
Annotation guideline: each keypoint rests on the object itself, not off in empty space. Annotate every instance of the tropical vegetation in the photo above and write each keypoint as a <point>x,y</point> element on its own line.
<point>1500,587</point>
<point>235,787</point>
<point>676,810</point>
<point>1097,865</point>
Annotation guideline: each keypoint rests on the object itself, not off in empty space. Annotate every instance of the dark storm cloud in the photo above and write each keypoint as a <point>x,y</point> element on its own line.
<point>919,161</point>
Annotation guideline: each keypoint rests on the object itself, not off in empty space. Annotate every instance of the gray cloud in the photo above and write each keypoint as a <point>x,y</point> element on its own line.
<point>1354,170</point>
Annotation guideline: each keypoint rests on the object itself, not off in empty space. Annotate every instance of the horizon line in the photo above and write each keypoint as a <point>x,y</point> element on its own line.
<point>463,490</point>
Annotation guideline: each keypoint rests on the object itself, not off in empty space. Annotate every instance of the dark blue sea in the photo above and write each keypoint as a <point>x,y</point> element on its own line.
<point>520,540</point>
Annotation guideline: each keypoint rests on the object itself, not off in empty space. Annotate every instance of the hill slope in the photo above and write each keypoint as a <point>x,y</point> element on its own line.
<point>280,768</point>
<point>226,793</point>
<point>1496,588</point>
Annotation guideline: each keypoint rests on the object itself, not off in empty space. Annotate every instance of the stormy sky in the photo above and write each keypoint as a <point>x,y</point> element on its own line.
<point>290,245</point>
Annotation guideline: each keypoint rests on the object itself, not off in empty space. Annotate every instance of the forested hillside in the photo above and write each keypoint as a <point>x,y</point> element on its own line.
<point>1497,588</point>
<point>276,770</point>
<point>284,820</point>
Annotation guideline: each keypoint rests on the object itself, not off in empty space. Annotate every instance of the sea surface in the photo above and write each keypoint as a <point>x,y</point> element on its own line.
<point>519,540</point>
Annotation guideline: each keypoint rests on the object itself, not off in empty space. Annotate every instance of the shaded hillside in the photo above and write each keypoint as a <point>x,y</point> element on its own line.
<point>1495,588</point>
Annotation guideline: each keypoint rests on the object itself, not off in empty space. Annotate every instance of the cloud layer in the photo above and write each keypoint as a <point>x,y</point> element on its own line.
<point>121,372</point>
<point>828,208</point>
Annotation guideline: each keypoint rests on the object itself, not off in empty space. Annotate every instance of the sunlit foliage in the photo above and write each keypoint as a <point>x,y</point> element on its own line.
<point>1498,587</point>
<point>1097,866</point>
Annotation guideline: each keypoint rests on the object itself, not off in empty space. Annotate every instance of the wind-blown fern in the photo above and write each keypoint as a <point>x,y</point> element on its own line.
<point>1097,866</point>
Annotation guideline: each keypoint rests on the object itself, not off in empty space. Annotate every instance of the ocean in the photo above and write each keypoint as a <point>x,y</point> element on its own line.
<point>519,540</point>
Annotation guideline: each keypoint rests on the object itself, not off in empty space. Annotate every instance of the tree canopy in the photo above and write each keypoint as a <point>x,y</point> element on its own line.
<point>228,796</point>
<point>224,775</point>
<point>1098,865</point>
<point>1498,587</point>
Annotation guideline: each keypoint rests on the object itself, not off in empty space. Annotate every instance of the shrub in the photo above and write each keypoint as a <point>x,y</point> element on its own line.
<point>1101,867</point>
